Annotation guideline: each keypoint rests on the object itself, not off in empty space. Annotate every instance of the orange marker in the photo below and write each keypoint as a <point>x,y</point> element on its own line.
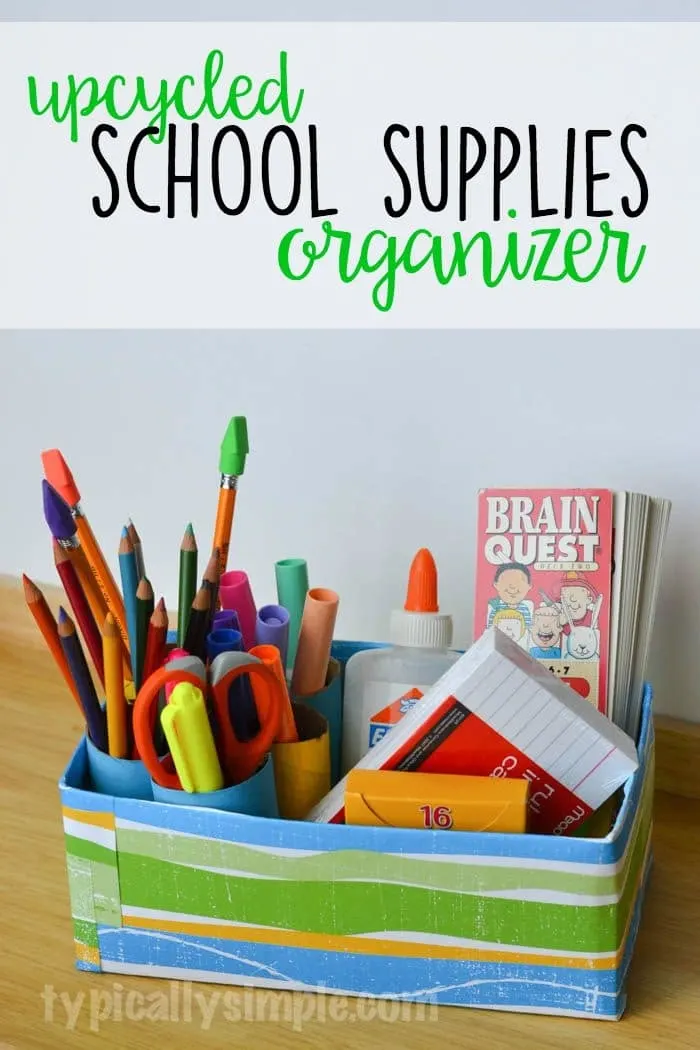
<point>59,476</point>
<point>234,449</point>
<point>315,639</point>
<point>270,655</point>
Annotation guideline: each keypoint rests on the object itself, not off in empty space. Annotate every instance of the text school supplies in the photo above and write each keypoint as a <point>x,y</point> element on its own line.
<point>59,476</point>
<point>498,712</point>
<point>381,798</point>
<point>239,759</point>
<point>234,450</point>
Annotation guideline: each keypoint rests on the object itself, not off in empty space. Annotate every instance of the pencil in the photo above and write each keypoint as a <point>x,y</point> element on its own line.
<point>114,690</point>
<point>63,529</point>
<point>155,640</point>
<point>80,606</point>
<point>138,548</point>
<point>187,585</point>
<point>60,477</point>
<point>210,580</point>
<point>144,611</point>
<point>94,716</point>
<point>234,449</point>
<point>127,569</point>
<point>43,617</point>
<point>195,642</point>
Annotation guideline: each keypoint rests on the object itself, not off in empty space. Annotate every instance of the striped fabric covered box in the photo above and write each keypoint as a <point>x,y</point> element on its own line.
<point>533,923</point>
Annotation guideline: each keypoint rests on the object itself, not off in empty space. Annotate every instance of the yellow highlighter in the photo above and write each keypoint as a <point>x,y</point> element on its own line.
<point>380,797</point>
<point>190,739</point>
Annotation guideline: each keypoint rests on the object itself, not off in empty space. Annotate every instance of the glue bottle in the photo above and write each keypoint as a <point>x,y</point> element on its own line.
<point>419,655</point>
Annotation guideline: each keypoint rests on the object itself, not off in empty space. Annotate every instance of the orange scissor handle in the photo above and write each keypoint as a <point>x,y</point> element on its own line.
<point>242,758</point>
<point>145,715</point>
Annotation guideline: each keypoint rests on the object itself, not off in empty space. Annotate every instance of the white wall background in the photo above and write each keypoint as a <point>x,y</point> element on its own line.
<point>364,447</point>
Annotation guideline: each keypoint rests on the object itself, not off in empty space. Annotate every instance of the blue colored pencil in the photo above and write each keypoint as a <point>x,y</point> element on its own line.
<point>73,651</point>
<point>130,581</point>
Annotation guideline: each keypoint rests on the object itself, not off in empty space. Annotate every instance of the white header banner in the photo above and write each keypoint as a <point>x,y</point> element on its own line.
<point>328,175</point>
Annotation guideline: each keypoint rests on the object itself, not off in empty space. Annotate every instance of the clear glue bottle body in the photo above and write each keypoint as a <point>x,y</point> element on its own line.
<point>419,655</point>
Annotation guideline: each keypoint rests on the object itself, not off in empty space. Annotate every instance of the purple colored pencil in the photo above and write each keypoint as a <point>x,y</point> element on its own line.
<point>73,650</point>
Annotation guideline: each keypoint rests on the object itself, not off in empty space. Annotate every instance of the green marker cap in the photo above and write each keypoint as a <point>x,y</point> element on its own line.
<point>234,447</point>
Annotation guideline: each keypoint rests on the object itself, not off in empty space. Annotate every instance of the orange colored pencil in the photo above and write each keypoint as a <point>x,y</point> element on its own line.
<point>155,640</point>
<point>223,525</point>
<point>116,707</point>
<point>45,621</point>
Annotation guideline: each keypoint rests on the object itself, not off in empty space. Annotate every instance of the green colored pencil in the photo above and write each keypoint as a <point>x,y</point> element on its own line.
<point>187,584</point>
<point>144,612</point>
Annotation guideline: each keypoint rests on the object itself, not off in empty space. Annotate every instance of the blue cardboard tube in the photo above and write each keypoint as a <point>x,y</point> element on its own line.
<point>256,796</point>
<point>329,703</point>
<point>121,777</point>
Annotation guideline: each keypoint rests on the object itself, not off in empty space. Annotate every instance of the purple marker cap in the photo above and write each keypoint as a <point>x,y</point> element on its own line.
<point>226,619</point>
<point>272,628</point>
<point>57,513</point>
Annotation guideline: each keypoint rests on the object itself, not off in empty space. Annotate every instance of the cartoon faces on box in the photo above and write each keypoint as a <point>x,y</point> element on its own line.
<point>555,620</point>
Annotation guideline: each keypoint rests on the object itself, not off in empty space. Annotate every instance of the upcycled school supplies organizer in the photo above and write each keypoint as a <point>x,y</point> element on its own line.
<point>541,924</point>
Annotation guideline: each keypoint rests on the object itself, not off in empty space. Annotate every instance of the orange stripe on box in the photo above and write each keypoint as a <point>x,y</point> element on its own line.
<point>367,945</point>
<point>84,816</point>
<point>87,954</point>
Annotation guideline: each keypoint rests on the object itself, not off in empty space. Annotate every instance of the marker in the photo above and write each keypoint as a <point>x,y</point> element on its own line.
<point>315,639</point>
<point>59,476</point>
<point>190,739</point>
<point>94,716</point>
<point>270,655</point>
<point>187,583</point>
<point>234,449</point>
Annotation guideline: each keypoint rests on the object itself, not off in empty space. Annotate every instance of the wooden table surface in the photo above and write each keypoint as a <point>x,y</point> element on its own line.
<point>46,1003</point>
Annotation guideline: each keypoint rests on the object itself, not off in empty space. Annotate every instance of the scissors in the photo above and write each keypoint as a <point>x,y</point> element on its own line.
<point>239,759</point>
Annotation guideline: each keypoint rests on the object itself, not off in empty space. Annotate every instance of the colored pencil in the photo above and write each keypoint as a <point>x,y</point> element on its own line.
<point>234,449</point>
<point>44,619</point>
<point>127,569</point>
<point>198,629</point>
<point>60,477</point>
<point>63,529</point>
<point>144,612</point>
<point>210,580</point>
<point>156,639</point>
<point>80,606</point>
<point>94,716</point>
<point>187,585</point>
<point>138,548</point>
<point>117,726</point>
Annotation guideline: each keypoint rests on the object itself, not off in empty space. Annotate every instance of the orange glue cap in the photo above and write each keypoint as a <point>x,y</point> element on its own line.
<point>420,622</point>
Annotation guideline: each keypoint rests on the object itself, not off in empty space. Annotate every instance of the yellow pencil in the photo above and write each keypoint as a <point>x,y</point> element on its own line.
<point>114,688</point>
